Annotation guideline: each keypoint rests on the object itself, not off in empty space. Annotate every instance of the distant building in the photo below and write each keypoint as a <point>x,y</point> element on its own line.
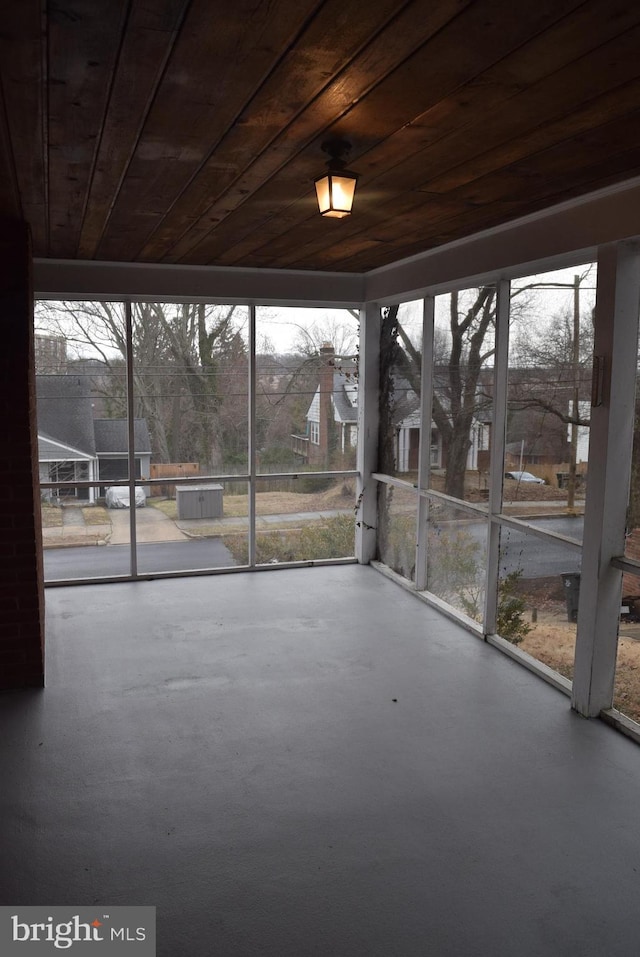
<point>50,355</point>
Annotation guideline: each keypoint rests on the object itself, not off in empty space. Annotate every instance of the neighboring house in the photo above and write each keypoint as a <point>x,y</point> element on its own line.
<point>332,417</point>
<point>111,449</point>
<point>335,407</point>
<point>343,401</point>
<point>407,432</point>
<point>539,398</point>
<point>75,447</point>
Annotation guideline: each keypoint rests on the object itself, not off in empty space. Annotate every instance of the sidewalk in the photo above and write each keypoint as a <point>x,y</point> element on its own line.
<point>75,531</point>
<point>154,526</point>
<point>205,527</point>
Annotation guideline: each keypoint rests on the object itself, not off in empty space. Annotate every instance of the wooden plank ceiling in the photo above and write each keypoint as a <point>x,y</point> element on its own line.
<point>190,131</point>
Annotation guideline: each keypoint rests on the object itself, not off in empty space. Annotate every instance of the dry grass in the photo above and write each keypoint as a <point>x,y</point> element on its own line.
<point>96,515</point>
<point>51,516</point>
<point>515,494</point>
<point>165,505</point>
<point>552,641</point>
<point>340,496</point>
<point>627,688</point>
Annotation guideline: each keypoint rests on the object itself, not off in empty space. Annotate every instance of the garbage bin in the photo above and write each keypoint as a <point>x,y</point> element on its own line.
<point>571,582</point>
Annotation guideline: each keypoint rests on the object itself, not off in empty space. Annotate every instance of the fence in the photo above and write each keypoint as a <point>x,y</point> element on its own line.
<point>171,470</point>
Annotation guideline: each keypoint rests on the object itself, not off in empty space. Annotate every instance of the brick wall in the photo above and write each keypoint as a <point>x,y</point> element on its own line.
<point>21,577</point>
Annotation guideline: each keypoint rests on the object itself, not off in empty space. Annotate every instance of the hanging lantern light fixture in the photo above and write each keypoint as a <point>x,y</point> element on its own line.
<point>335,189</point>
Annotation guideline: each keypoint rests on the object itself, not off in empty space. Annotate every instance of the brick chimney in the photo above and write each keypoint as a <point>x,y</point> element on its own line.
<point>327,368</point>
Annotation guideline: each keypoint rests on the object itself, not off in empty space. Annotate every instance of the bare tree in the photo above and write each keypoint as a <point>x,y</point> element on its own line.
<point>342,336</point>
<point>550,366</point>
<point>551,379</point>
<point>189,371</point>
<point>458,395</point>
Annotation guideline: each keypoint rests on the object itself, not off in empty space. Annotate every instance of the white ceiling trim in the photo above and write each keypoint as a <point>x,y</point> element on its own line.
<point>79,279</point>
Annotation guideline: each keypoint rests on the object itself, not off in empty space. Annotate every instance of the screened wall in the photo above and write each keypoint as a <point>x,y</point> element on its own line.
<point>474,440</point>
<point>486,517</point>
<point>189,437</point>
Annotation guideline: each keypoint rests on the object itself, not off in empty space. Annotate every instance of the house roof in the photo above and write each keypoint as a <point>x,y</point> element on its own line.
<point>175,132</point>
<point>66,423</point>
<point>406,404</point>
<point>51,451</point>
<point>112,436</point>
<point>344,400</point>
<point>64,411</point>
<point>345,397</point>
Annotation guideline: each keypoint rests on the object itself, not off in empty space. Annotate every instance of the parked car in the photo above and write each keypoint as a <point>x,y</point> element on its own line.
<point>117,496</point>
<point>524,477</point>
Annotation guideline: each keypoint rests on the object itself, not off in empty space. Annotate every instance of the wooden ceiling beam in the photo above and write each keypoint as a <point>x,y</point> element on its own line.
<point>84,39</point>
<point>617,108</point>
<point>416,86</point>
<point>147,44</point>
<point>10,203</point>
<point>518,127</point>
<point>491,200</point>
<point>360,56</point>
<point>23,78</point>
<point>222,55</point>
<point>184,131</point>
<point>515,192</point>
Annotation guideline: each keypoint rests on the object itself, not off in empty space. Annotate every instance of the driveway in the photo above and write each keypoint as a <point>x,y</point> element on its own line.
<point>152,525</point>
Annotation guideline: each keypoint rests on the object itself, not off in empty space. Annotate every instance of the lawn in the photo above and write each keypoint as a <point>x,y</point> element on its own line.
<point>340,496</point>
<point>96,515</point>
<point>552,641</point>
<point>51,516</point>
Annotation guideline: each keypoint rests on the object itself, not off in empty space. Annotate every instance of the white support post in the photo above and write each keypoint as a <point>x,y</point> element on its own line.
<point>131,439</point>
<point>252,436</point>
<point>368,424</point>
<point>92,477</point>
<point>610,449</point>
<point>424,454</point>
<point>496,471</point>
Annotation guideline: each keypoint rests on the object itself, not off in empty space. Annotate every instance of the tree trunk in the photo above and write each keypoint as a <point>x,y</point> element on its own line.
<point>457,462</point>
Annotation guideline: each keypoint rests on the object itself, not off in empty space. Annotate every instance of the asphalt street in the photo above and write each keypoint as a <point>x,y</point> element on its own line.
<point>536,558</point>
<point>109,560</point>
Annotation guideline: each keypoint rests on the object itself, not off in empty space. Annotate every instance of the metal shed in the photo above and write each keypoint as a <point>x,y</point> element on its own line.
<point>199,501</point>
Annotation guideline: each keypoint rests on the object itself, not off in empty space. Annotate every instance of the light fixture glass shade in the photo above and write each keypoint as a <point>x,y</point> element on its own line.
<point>335,191</point>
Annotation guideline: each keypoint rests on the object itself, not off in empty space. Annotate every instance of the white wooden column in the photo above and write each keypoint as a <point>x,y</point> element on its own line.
<point>368,426</point>
<point>610,448</point>
<point>424,455</point>
<point>252,436</point>
<point>131,440</point>
<point>496,469</point>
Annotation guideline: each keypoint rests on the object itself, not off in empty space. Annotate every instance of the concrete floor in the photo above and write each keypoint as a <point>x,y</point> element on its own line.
<point>312,763</point>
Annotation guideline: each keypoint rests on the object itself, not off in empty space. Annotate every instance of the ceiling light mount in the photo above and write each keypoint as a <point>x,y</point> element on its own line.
<point>335,188</point>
